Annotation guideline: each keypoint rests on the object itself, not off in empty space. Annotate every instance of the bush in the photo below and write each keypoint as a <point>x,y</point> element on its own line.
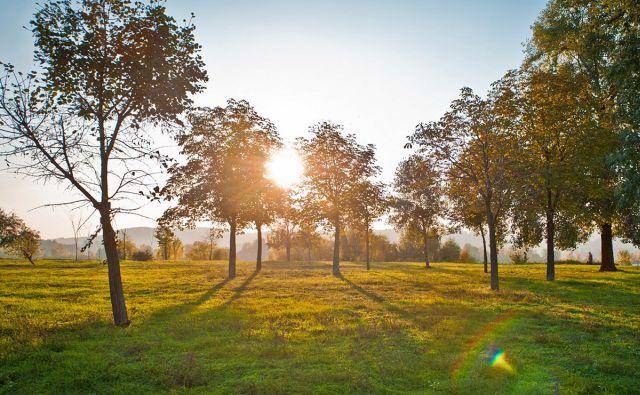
<point>142,255</point>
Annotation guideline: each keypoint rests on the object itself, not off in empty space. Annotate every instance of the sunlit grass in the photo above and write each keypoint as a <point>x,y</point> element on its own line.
<point>297,328</point>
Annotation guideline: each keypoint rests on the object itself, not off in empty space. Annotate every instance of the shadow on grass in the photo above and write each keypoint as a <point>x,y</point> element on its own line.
<point>417,284</point>
<point>368,294</point>
<point>238,291</point>
<point>209,294</point>
<point>414,318</point>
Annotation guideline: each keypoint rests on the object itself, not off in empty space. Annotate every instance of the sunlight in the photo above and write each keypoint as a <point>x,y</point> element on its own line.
<point>285,167</point>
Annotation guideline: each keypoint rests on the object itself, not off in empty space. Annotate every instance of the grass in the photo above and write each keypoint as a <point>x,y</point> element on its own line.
<point>295,328</point>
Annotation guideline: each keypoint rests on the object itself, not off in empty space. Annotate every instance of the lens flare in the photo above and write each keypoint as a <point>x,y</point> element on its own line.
<point>499,360</point>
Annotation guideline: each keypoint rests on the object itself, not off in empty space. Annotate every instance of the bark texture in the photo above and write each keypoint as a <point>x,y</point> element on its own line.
<point>118,306</point>
<point>606,240</point>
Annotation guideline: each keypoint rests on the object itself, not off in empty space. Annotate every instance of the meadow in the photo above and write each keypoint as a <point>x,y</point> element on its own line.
<point>295,328</point>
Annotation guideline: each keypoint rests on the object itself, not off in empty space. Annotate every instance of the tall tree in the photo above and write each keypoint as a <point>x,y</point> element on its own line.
<point>164,237</point>
<point>110,68</point>
<point>226,149</point>
<point>213,234</point>
<point>123,244</point>
<point>600,39</point>
<point>287,221</point>
<point>335,165</point>
<point>419,203</point>
<point>626,163</point>
<point>370,205</point>
<point>555,131</point>
<point>264,204</point>
<point>472,143</point>
<point>307,237</point>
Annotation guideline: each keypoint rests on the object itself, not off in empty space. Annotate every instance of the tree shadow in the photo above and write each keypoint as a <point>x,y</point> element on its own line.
<point>391,308</point>
<point>359,289</point>
<point>422,286</point>
<point>237,293</point>
<point>209,294</point>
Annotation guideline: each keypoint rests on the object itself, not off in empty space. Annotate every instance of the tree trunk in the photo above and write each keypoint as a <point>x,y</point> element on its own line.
<point>425,247</point>
<point>606,239</point>
<point>493,252</point>
<point>484,249</point>
<point>76,244</point>
<point>366,247</point>
<point>116,291</point>
<point>309,252</point>
<point>551,234</point>
<point>336,250</point>
<point>232,249</point>
<point>259,255</point>
<point>287,247</point>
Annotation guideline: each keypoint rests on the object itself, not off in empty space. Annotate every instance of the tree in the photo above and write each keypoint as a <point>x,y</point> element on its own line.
<point>369,205</point>
<point>213,234</point>
<point>263,207</point>
<point>26,244</point>
<point>126,248</point>
<point>335,165</point>
<point>176,249</point>
<point>76,224</point>
<point>165,237</point>
<point>199,251</point>
<point>472,144</point>
<point>10,227</point>
<point>110,68</point>
<point>411,244</point>
<point>289,217</point>
<point>17,238</point>
<point>555,130</point>
<point>419,202</point>
<point>307,237</point>
<point>449,251</point>
<point>626,162</point>
<point>226,149</point>
<point>599,39</point>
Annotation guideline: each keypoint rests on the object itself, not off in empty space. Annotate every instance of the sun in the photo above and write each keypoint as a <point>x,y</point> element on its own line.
<point>285,167</point>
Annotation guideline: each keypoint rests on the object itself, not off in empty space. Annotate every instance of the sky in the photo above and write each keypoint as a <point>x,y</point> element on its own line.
<point>376,67</point>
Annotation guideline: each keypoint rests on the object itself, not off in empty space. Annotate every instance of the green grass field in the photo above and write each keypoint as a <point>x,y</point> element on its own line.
<point>295,328</point>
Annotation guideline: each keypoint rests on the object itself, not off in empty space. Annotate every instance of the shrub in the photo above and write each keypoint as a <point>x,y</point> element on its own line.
<point>142,255</point>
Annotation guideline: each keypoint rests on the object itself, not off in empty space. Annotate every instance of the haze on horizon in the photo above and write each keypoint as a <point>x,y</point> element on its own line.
<point>378,68</point>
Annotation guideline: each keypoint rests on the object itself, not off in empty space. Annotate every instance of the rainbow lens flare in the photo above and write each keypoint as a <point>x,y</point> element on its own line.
<point>499,360</point>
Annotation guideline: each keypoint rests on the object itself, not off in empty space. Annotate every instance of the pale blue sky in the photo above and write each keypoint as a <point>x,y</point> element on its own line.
<point>378,67</point>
